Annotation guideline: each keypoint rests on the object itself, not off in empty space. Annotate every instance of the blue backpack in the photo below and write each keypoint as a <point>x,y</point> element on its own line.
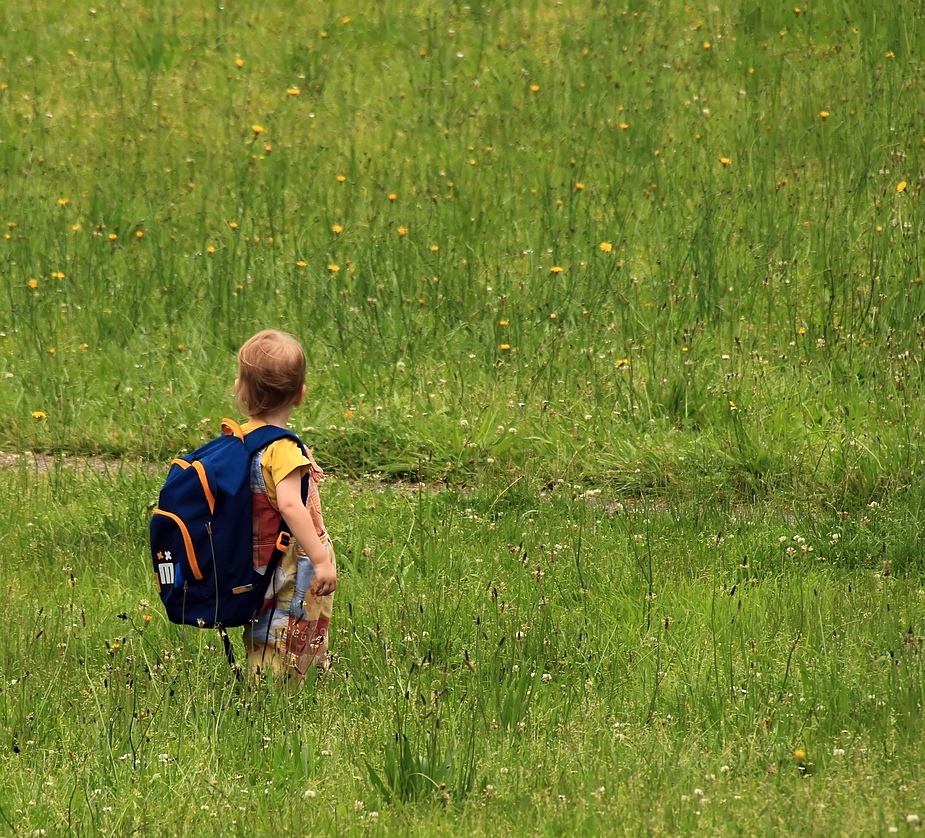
<point>201,532</point>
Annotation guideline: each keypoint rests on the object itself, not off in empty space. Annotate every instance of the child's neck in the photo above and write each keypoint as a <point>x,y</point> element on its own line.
<point>278,418</point>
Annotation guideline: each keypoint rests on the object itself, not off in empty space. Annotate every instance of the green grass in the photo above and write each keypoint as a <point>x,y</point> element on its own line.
<point>616,324</point>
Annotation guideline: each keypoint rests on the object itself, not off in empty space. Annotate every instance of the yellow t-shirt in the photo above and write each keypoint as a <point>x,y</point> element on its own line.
<point>279,460</point>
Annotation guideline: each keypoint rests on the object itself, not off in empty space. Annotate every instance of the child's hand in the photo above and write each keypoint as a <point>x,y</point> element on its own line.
<point>325,579</point>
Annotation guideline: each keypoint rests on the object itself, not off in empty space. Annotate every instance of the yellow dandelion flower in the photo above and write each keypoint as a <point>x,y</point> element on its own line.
<point>239,63</point>
<point>139,234</point>
<point>341,179</point>
<point>33,283</point>
<point>623,126</point>
<point>434,248</point>
<point>63,201</point>
<point>292,91</point>
<point>505,347</point>
<point>39,414</point>
<point>556,269</point>
<point>403,231</point>
<point>57,275</point>
<point>393,197</point>
<point>579,187</point>
<point>801,330</point>
<point>336,228</point>
<point>333,268</point>
<point>502,323</point>
<point>84,347</point>
<point>51,350</point>
<point>257,129</point>
<point>534,88</point>
<point>725,161</point>
<point>622,362</point>
<point>210,249</point>
<point>799,754</point>
<point>707,45</point>
<point>113,236</point>
<point>301,263</point>
<point>233,225</point>
<point>345,20</point>
<point>75,227</point>
<point>606,247</point>
<point>889,54</point>
<point>901,186</point>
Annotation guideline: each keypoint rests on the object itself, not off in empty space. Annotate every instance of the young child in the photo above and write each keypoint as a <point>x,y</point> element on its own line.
<point>291,632</point>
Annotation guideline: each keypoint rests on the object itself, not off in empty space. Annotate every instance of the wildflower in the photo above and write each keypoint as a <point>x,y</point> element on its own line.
<point>801,330</point>
<point>57,275</point>
<point>534,88</point>
<point>823,114</point>
<point>799,754</point>
<point>402,231</point>
<point>292,91</point>
<point>39,415</point>
<point>336,228</point>
<point>606,247</point>
<point>556,269</point>
<point>579,187</point>
<point>301,263</point>
<point>341,179</point>
<point>75,227</point>
<point>502,323</point>
<point>622,362</point>
<point>33,283</point>
<point>393,197</point>
<point>901,186</point>
<point>63,201</point>
<point>505,347</point>
<point>113,237</point>
<point>139,234</point>
<point>210,249</point>
<point>257,129</point>
<point>233,225</point>
<point>345,20</point>
<point>889,54</point>
<point>706,45</point>
<point>434,248</point>
<point>239,63</point>
<point>333,268</point>
<point>147,618</point>
<point>623,126</point>
<point>725,161</point>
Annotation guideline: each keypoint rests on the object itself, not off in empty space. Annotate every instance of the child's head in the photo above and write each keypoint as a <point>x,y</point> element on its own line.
<point>271,372</point>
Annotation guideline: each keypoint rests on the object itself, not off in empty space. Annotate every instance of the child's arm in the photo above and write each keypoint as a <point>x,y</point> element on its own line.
<point>299,519</point>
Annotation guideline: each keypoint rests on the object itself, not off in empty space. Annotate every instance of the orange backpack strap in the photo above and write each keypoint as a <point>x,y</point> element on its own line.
<point>232,428</point>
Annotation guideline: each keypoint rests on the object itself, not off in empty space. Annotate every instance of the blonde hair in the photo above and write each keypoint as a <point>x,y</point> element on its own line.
<point>271,372</point>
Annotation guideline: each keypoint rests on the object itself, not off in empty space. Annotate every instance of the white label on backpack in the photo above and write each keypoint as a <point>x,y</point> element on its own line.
<point>165,569</point>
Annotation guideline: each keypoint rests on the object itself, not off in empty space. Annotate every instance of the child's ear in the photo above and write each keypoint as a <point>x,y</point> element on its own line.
<point>299,398</point>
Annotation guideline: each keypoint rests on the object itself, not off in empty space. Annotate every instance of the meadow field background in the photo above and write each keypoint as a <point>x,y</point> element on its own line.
<point>616,321</point>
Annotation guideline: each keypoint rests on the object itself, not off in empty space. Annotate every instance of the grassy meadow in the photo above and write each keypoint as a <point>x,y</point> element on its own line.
<point>616,321</point>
